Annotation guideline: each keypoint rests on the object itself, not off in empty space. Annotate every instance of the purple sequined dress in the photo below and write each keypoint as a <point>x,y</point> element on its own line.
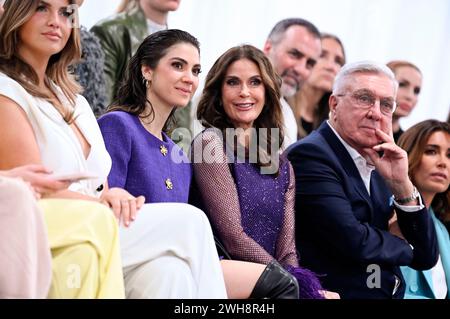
<point>252,213</point>
<point>261,200</point>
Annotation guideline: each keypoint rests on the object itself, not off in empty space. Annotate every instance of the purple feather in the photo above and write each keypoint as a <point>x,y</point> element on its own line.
<point>309,284</point>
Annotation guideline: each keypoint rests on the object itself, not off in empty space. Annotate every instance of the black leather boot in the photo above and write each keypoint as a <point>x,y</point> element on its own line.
<point>275,283</point>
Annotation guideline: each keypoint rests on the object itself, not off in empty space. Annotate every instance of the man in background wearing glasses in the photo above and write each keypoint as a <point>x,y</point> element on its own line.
<point>350,177</point>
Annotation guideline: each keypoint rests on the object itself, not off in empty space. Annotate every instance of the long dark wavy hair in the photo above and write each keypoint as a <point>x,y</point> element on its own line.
<point>132,93</point>
<point>210,109</point>
<point>413,141</point>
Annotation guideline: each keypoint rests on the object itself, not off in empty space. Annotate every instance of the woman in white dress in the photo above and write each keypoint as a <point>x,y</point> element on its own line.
<point>43,120</point>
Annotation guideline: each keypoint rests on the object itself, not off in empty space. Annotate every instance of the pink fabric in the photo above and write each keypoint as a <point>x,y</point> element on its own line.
<point>25,259</point>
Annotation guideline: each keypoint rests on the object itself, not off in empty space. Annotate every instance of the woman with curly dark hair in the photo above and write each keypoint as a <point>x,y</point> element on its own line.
<point>246,187</point>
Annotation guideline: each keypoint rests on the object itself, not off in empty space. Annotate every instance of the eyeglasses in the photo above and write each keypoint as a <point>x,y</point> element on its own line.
<point>366,100</point>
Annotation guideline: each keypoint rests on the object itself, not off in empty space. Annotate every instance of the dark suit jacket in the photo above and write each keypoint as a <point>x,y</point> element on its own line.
<point>341,229</point>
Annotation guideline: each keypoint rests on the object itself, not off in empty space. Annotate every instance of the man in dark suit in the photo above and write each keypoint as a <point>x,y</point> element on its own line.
<point>350,176</point>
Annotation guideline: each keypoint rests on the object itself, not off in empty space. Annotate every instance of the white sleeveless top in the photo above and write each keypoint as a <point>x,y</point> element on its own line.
<point>59,147</point>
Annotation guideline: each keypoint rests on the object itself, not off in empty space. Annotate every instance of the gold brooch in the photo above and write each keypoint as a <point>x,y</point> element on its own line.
<point>169,184</point>
<point>163,150</point>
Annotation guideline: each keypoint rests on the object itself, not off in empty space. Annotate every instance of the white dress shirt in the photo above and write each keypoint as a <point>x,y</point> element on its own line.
<point>365,170</point>
<point>290,124</point>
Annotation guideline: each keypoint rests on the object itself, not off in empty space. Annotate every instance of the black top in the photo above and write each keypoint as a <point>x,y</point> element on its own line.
<point>398,134</point>
<point>307,126</point>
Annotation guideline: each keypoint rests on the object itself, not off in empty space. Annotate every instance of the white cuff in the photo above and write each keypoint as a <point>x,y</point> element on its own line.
<point>410,209</point>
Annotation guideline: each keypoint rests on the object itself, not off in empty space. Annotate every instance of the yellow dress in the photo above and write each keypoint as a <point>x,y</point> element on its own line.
<point>84,242</point>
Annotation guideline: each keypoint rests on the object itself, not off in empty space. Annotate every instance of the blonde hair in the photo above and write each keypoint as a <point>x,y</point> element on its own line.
<point>16,14</point>
<point>393,65</point>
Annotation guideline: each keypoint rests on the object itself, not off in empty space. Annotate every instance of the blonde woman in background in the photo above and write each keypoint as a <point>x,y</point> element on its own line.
<point>409,78</point>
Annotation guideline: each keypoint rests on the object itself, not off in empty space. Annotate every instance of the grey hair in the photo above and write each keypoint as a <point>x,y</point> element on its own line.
<point>280,28</point>
<point>367,67</point>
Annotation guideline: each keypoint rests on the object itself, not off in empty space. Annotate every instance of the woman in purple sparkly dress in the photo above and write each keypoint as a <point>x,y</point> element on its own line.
<point>163,75</point>
<point>246,188</point>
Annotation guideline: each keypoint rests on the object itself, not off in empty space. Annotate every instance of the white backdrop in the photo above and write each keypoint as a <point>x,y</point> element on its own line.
<point>381,30</point>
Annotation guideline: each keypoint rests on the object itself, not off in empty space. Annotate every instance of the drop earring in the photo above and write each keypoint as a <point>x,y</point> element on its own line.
<point>145,82</point>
